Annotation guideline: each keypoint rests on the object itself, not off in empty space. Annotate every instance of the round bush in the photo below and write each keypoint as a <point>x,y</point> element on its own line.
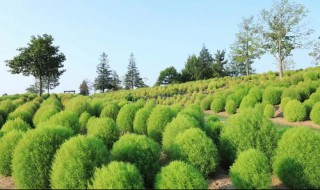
<point>78,105</point>
<point>1,121</point>
<point>268,111</point>
<point>141,151</point>
<point>33,156</point>
<point>25,115</point>
<point>105,129</point>
<point>65,119</point>
<point>217,105</point>
<point>7,144</point>
<point>194,147</point>
<point>75,162</point>
<point>245,130</point>
<point>179,175</point>
<point>256,93</point>
<point>272,95</point>
<point>160,116</point>
<point>44,115</point>
<point>196,112</point>
<point>125,118</point>
<point>294,111</point>
<point>206,102</point>
<point>110,110</point>
<point>141,119</point>
<point>284,102</point>
<point>117,175</point>
<point>291,93</point>
<point>308,104</point>
<point>213,130</point>
<point>231,107</point>
<point>248,102</point>
<point>251,171</point>
<point>83,120</point>
<point>315,113</point>
<point>179,124</point>
<point>15,124</point>
<point>296,161</point>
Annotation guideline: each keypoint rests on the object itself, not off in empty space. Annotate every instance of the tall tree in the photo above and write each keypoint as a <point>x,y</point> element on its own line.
<point>84,88</point>
<point>34,88</point>
<point>168,76</point>
<point>284,29</point>
<point>132,78</point>
<point>316,52</point>
<point>40,59</point>
<point>103,80</point>
<point>247,46</point>
<point>219,64</point>
<point>235,68</point>
<point>204,65</point>
<point>50,82</point>
<point>115,81</point>
<point>188,72</point>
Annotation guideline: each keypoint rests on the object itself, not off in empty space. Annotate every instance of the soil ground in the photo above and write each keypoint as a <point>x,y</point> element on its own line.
<point>6,182</point>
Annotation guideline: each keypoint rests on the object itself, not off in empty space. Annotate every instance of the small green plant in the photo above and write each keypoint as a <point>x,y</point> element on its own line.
<point>141,119</point>
<point>180,175</point>
<point>117,175</point>
<point>78,105</point>
<point>272,95</point>
<point>206,102</point>
<point>83,120</point>
<point>269,111</point>
<point>284,102</point>
<point>15,124</point>
<point>110,110</point>
<point>125,118</point>
<point>295,111</point>
<point>231,107</point>
<point>251,171</point>
<point>315,113</point>
<point>217,105</point>
<point>213,130</point>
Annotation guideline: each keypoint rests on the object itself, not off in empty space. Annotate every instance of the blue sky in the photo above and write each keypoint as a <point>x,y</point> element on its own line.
<point>160,33</point>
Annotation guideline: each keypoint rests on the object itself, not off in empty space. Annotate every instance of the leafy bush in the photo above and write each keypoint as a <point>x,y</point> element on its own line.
<point>269,111</point>
<point>245,130</point>
<point>194,147</point>
<point>308,76</point>
<point>83,120</point>
<point>213,130</point>
<point>75,162</point>
<point>296,161</point>
<point>179,175</point>
<point>206,102</point>
<point>125,118</point>
<point>217,105</point>
<point>315,113</point>
<point>15,124</point>
<point>110,110</point>
<point>117,175</point>
<point>33,156</point>
<point>44,115</point>
<point>104,128</point>
<point>256,93</point>
<point>1,121</point>
<point>7,144</point>
<point>308,104</point>
<point>284,102</point>
<point>196,112</point>
<point>25,115</point>
<point>251,171</point>
<point>65,119</point>
<point>179,124</point>
<point>295,111</point>
<point>78,105</point>
<point>6,107</point>
<point>272,95</point>
<point>160,116</point>
<point>292,93</point>
<point>140,151</point>
<point>248,101</point>
<point>141,119</point>
<point>231,107</point>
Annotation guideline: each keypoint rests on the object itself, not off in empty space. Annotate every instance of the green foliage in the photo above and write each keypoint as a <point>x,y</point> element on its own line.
<point>217,105</point>
<point>7,144</point>
<point>272,95</point>
<point>295,111</point>
<point>179,175</point>
<point>33,156</point>
<point>160,116</point>
<point>75,162</point>
<point>15,124</point>
<point>292,93</point>
<point>83,120</point>
<point>310,75</point>
<point>315,113</point>
<point>168,76</point>
<point>141,119</point>
<point>296,162</point>
<point>308,104</point>
<point>6,106</point>
<point>105,129</point>
<point>213,130</point>
<point>83,88</point>
<point>196,112</point>
<point>251,171</point>
<point>44,114</point>
<point>103,80</point>
<point>269,111</point>
<point>284,102</point>
<point>141,151</point>
<point>117,175</point>
<point>245,130</point>
<point>125,118</point>
<point>206,102</point>
<point>248,101</point>
<point>231,107</point>
<point>78,105</point>
<point>65,119</point>
<point>110,110</point>
<point>194,147</point>
<point>132,77</point>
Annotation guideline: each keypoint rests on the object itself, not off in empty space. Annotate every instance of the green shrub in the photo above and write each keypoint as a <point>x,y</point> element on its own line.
<point>245,130</point>
<point>248,102</point>
<point>65,119</point>
<point>284,102</point>
<point>231,107</point>
<point>33,156</point>
<point>179,124</point>
<point>217,105</point>
<point>105,129</point>
<point>140,151</point>
<point>308,104</point>
<point>294,111</point>
<point>296,162</point>
<point>196,112</point>
<point>194,147</point>
<point>272,95</point>
<point>125,118</point>
<point>206,102</point>
<point>117,175</point>
<point>213,130</point>
<point>179,175</point>
<point>7,144</point>
<point>110,110</point>
<point>251,171</point>
<point>141,119</point>
<point>15,124</point>
<point>96,107</point>
<point>83,120</point>
<point>256,93</point>
<point>1,121</point>
<point>269,111</point>
<point>44,115</point>
<point>160,116</point>
<point>25,115</point>
<point>308,76</point>
<point>75,162</point>
<point>291,93</point>
<point>296,78</point>
<point>6,107</point>
<point>78,105</point>
<point>315,113</point>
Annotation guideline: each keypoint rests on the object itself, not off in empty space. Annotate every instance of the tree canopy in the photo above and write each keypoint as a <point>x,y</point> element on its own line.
<point>168,76</point>
<point>132,78</point>
<point>103,80</point>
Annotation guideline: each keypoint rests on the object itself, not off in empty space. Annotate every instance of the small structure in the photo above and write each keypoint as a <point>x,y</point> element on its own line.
<point>70,91</point>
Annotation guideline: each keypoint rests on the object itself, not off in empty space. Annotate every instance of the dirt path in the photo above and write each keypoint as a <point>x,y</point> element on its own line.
<point>6,182</point>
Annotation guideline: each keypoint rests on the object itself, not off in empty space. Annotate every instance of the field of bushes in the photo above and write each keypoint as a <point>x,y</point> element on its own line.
<point>160,138</point>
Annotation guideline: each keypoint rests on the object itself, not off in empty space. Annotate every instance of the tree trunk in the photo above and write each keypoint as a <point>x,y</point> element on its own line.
<point>247,58</point>
<point>40,85</point>
<point>280,60</point>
